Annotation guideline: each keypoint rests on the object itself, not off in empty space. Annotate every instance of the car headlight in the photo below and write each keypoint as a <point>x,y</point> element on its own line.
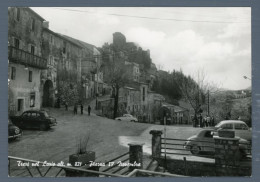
<point>16,131</point>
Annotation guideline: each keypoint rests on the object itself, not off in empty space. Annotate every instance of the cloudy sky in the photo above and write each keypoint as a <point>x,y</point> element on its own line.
<point>216,40</point>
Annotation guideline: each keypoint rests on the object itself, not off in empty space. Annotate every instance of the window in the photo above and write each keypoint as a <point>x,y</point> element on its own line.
<point>33,24</point>
<point>16,43</point>
<point>20,105</point>
<point>30,76</point>
<point>13,73</point>
<point>51,60</point>
<point>64,47</point>
<point>51,39</point>
<point>227,126</point>
<point>240,126</point>
<point>26,114</point>
<point>34,114</point>
<point>32,50</point>
<point>208,134</point>
<point>143,93</point>
<point>17,14</point>
<point>32,99</point>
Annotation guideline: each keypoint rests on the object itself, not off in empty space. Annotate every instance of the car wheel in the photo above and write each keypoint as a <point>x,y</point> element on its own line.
<point>132,120</point>
<point>242,154</point>
<point>43,127</point>
<point>195,150</point>
<point>119,119</point>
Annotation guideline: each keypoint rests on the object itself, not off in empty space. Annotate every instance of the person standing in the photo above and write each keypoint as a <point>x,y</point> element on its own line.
<point>75,109</point>
<point>201,121</point>
<point>208,121</point>
<point>81,108</point>
<point>66,105</point>
<point>89,110</point>
<point>212,121</point>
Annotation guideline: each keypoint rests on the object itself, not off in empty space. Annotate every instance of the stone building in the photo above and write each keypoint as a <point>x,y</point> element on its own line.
<point>135,96</point>
<point>62,79</point>
<point>179,115</point>
<point>155,102</point>
<point>91,73</point>
<point>25,60</point>
<point>133,70</point>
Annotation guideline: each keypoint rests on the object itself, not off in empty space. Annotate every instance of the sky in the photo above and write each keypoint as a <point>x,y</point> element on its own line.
<point>215,40</point>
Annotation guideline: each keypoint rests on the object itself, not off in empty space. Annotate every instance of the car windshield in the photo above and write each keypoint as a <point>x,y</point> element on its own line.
<point>218,125</point>
<point>45,114</point>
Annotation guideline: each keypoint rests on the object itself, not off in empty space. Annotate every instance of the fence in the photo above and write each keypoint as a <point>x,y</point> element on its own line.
<point>205,157</point>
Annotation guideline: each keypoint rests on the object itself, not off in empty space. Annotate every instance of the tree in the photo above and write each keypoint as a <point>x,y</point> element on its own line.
<point>195,90</point>
<point>117,75</point>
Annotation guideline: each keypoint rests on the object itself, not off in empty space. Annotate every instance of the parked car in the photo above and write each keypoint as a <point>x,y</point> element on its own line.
<point>13,131</point>
<point>127,117</point>
<point>204,142</point>
<point>240,127</point>
<point>34,119</point>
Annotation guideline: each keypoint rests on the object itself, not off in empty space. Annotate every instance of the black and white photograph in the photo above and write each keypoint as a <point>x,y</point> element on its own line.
<point>129,92</point>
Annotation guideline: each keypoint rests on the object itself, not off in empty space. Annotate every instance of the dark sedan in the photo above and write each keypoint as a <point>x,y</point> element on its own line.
<point>13,131</point>
<point>34,119</point>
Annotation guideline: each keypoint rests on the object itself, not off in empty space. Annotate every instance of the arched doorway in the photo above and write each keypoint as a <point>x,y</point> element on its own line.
<point>48,94</point>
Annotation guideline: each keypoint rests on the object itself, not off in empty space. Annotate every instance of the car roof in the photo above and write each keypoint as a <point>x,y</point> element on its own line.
<point>232,121</point>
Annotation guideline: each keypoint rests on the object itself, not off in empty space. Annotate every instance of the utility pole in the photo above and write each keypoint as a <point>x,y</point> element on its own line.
<point>97,81</point>
<point>208,102</point>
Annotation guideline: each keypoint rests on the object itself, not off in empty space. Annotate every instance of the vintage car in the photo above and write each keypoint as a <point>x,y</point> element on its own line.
<point>13,131</point>
<point>34,119</point>
<point>204,142</point>
<point>240,127</point>
<point>127,117</point>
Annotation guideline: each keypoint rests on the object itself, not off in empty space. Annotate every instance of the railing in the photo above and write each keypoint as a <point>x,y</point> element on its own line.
<point>26,58</point>
<point>183,147</point>
<point>113,165</point>
<point>186,147</point>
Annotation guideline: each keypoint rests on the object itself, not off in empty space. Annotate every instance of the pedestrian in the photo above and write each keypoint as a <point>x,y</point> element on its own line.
<point>208,121</point>
<point>201,120</point>
<point>75,109</point>
<point>81,108</point>
<point>66,106</point>
<point>89,109</point>
<point>205,121</point>
<point>212,121</point>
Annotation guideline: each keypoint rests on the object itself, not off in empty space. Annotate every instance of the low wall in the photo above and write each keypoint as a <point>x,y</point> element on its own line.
<point>200,168</point>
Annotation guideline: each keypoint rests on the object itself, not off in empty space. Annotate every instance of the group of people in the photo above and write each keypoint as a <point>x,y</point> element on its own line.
<point>75,109</point>
<point>205,121</point>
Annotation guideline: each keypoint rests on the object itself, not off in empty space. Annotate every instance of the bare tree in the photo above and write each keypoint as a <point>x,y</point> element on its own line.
<point>195,90</point>
<point>117,76</point>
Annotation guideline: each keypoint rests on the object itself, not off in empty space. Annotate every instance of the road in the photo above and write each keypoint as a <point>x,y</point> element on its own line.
<point>108,138</point>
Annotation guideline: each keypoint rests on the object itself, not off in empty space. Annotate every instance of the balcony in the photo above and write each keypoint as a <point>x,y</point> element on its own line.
<point>22,57</point>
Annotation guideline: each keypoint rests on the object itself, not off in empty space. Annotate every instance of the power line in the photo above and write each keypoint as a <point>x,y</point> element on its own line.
<point>151,18</point>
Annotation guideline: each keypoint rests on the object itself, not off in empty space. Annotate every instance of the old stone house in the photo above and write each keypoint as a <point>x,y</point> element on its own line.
<point>62,79</point>
<point>25,60</point>
<point>133,70</point>
<point>91,72</point>
<point>155,102</point>
<point>179,115</point>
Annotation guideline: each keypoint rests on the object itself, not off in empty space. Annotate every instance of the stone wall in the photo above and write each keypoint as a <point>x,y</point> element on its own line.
<point>200,168</point>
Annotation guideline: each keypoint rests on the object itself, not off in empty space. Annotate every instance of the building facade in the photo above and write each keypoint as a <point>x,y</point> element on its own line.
<point>25,60</point>
<point>62,79</point>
